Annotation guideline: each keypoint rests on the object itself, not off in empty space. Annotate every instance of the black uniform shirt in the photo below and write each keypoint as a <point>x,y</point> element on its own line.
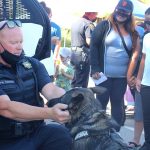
<point>39,69</point>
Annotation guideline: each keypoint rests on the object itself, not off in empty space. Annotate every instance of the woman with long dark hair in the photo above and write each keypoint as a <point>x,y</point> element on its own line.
<point>114,49</point>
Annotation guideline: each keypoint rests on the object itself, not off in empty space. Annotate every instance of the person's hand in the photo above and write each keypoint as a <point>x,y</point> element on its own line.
<point>57,68</point>
<point>131,82</point>
<point>96,75</point>
<point>56,71</point>
<point>60,113</point>
<point>138,85</point>
<point>54,40</point>
<point>62,71</point>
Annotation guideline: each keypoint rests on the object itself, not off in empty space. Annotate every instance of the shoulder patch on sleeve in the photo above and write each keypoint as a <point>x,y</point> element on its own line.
<point>91,26</point>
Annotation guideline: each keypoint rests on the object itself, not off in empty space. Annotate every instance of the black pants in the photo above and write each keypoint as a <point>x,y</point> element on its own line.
<point>82,69</point>
<point>145,95</point>
<point>47,137</point>
<point>116,88</point>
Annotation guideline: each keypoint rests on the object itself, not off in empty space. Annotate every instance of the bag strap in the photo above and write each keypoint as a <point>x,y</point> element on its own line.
<point>124,44</point>
<point>38,97</point>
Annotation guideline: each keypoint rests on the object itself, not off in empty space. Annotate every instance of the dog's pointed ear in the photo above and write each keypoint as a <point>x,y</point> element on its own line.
<point>72,96</point>
<point>78,97</point>
<point>98,89</point>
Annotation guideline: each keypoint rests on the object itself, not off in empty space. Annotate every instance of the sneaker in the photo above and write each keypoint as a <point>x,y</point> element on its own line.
<point>145,147</point>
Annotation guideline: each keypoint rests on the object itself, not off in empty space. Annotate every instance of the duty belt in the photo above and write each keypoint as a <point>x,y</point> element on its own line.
<point>78,49</point>
<point>81,49</point>
<point>20,129</point>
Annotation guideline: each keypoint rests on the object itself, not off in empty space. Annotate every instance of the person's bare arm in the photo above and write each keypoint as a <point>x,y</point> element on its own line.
<point>140,73</point>
<point>88,40</point>
<point>56,71</point>
<point>51,91</point>
<point>132,65</point>
<point>23,112</point>
<point>56,51</point>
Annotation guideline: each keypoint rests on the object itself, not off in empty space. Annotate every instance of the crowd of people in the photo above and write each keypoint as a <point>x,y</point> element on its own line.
<point>116,47</point>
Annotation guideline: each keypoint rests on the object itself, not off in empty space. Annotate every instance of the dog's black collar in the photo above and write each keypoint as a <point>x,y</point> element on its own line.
<point>81,135</point>
<point>86,133</point>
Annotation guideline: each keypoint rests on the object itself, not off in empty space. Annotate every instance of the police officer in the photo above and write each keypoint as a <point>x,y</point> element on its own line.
<point>21,108</point>
<point>80,40</point>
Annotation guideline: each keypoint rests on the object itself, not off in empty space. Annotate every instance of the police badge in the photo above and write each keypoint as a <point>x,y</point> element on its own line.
<point>27,65</point>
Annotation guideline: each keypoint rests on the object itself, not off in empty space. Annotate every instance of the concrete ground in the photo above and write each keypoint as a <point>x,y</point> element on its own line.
<point>127,131</point>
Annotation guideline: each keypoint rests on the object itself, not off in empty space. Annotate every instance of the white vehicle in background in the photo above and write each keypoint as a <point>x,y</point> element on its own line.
<point>29,48</point>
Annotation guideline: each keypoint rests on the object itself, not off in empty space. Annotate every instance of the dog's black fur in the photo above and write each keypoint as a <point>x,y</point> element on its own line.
<point>90,127</point>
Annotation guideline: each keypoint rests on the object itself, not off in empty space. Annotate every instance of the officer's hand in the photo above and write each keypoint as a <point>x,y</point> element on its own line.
<point>60,113</point>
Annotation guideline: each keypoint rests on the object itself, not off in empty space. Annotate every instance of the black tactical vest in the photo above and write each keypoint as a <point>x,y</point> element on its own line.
<point>20,85</point>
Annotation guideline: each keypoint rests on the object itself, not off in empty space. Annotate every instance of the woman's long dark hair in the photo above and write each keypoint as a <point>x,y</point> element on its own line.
<point>129,27</point>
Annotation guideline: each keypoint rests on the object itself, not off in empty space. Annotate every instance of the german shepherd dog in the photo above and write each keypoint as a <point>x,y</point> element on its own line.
<point>89,126</point>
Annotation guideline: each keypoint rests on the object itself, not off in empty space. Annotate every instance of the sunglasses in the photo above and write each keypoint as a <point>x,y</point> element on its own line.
<point>122,13</point>
<point>11,24</point>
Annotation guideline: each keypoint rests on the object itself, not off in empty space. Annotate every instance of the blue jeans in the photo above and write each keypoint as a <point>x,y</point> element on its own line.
<point>46,137</point>
<point>116,88</point>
